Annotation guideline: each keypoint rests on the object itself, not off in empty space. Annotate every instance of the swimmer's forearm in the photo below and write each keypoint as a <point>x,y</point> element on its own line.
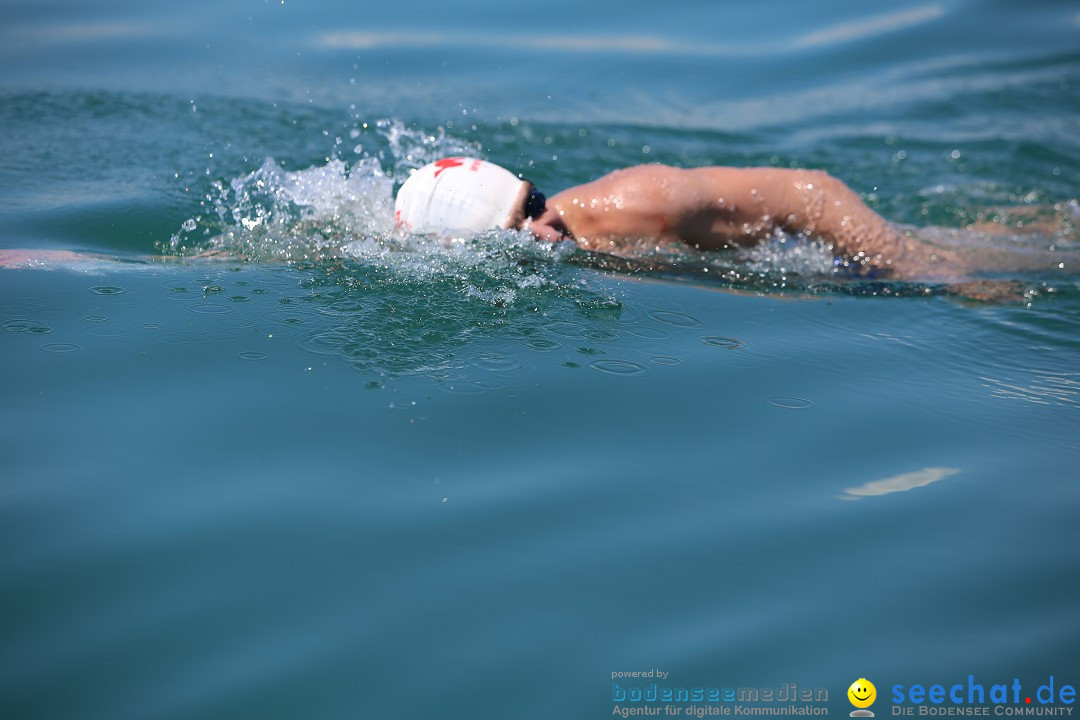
<point>819,204</point>
<point>833,211</point>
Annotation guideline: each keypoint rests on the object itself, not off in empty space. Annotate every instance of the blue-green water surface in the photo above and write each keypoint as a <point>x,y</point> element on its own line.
<point>329,472</point>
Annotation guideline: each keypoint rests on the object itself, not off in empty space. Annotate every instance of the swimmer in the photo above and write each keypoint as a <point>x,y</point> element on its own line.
<point>707,208</point>
<point>649,207</point>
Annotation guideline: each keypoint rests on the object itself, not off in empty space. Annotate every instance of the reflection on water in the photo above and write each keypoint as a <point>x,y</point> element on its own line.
<point>637,44</point>
<point>1039,386</point>
<point>899,483</point>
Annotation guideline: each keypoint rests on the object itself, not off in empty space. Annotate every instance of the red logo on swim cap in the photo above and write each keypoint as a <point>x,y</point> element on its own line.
<point>447,163</point>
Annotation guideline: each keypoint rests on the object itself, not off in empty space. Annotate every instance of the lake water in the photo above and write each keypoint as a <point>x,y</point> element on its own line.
<point>332,473</point>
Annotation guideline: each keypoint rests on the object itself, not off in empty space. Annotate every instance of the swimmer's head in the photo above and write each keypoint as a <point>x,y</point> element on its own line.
<point>465,194</point>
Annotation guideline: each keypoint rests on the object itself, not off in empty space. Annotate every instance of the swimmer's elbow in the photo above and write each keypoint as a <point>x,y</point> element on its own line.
<point>819,178</point>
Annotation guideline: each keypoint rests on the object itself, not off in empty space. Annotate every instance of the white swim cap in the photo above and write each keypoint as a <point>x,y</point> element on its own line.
<point>458,194</point>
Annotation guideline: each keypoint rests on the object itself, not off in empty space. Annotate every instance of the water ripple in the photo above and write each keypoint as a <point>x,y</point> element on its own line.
<point>789,403</point>
<point>33,327</point>
<point>110,330</point>
<point>1045,387</point>
<point>543,345</point>
<point>648,333</point>
<point>727,343</point>
<point>473,387</point>
<point>195,338</point>
<point>670,317</point>
<point>665,360</point>
<point>210,309</point>
<point>497,362</point>
<point>623,368</point>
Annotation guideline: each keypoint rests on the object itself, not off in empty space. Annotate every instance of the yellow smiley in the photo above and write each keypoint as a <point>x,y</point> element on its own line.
<point>862,693</point>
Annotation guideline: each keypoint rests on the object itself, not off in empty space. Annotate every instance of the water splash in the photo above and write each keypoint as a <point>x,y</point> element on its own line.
<point>340,216</point>
<point>302,215</point>
<point>783,254</point>
<point>413,148</point>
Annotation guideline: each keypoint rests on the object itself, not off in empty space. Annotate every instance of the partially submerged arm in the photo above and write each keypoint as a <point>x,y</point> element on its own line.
<point>714,208</point>
<point>20,258</point>
<point>815,203</point>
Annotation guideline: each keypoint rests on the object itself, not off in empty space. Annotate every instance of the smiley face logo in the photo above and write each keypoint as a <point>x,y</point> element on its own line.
<point>862,693</point>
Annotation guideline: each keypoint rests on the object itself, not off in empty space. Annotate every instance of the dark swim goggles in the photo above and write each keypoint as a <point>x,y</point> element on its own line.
<point>535,204</point>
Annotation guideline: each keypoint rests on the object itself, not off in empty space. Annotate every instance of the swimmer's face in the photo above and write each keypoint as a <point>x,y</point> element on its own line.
<point>862,693</point>
<point>530,205</point>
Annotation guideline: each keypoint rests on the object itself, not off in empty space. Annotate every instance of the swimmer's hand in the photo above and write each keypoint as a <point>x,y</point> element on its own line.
<point>547,232</point>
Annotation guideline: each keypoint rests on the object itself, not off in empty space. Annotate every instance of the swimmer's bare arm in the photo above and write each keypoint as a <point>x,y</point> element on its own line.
<point>817,204</point>
<point>45,259</point>
<point>714,207</point>
<point>20,258</point>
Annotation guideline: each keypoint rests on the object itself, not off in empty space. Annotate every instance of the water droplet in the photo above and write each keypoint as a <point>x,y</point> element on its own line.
<point>107,290</point>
